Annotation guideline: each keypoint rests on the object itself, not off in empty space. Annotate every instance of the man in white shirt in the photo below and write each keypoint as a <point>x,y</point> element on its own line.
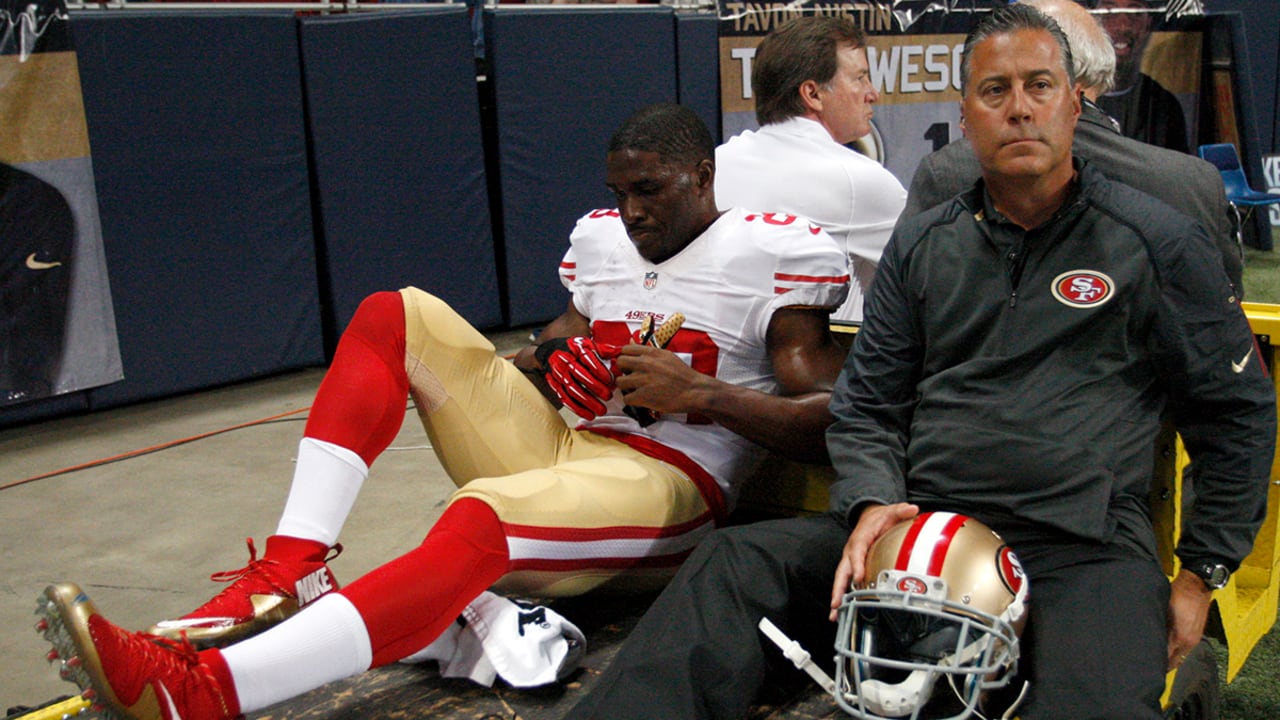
<point>813,92</point>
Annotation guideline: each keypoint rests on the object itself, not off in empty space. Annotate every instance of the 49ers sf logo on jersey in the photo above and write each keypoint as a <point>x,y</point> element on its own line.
<point>1083,288</point>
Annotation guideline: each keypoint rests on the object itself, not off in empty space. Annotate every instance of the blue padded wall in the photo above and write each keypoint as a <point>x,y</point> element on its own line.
<point>563,82</point>
<point>698,67</point>
<point>1262,65</point>
<point>195,124</point>
<point>67,404</point>
<point>399,160</point>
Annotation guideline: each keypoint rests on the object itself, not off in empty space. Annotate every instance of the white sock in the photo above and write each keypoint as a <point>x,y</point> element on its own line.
<point>326,481</point>
<point>325,642</point>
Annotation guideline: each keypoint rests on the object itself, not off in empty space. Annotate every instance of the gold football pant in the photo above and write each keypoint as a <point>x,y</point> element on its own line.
<point>579,510</point>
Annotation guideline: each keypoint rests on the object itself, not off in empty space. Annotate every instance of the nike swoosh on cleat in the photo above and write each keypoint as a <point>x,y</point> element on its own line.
<point>1238,367</point>
<point>34,264</point>
<point>168,701</point>
<point>212,622</point>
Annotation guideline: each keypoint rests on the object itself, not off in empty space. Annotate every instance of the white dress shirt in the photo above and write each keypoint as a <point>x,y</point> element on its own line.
<point>795,167</point>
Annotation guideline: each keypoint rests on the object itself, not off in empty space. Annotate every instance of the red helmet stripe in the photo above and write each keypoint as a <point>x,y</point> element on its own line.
<point>924,549</point>
<point>943,543</point>
<point>908,542</point>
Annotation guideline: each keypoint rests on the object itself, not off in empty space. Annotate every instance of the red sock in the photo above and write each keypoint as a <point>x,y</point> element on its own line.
<point>408,602</point>
<point>361,401</point>
<point>283,547</point>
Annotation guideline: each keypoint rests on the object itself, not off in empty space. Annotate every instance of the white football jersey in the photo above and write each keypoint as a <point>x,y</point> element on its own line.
<point>727,283</point>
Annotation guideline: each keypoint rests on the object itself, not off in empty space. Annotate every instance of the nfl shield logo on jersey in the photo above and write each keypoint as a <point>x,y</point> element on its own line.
<point>650,280</point>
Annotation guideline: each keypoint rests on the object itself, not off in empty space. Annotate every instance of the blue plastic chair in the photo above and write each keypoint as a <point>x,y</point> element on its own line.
<point>1224,157</point>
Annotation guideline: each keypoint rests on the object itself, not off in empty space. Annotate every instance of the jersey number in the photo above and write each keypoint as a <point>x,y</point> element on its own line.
<point>694,346</point>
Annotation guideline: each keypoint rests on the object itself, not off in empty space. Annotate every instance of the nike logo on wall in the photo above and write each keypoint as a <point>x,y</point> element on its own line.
<point>35,264</point>
<point>1238,367</point>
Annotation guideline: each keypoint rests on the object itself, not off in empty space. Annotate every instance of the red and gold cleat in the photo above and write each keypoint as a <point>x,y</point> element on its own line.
<point>263,593</point>
<point>133,676</point>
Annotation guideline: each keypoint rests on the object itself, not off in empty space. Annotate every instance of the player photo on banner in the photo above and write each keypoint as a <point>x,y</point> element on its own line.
<point>57,327</point>
<point>913,49</point>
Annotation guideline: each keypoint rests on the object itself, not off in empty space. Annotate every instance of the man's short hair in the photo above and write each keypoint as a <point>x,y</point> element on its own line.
<point>673,131</point>
<point>1011,19</point>
<point>797,51</point>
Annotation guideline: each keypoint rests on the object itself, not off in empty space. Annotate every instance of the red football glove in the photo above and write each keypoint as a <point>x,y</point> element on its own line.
<point>575,369</point>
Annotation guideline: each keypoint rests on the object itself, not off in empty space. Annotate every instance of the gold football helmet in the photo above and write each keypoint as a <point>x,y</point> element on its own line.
<point>936,622</point>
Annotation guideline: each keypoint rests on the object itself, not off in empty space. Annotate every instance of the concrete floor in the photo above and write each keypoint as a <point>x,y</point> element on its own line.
<point>142,535</point>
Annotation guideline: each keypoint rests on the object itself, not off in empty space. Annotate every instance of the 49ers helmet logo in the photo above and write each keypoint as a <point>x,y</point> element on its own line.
<point>913,585</point>
<point>1083,288</point>
<point>1010,569</point>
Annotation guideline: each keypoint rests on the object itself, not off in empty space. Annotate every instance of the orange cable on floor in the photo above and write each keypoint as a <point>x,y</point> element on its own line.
<point>162,446</point>
<point>153,448</point>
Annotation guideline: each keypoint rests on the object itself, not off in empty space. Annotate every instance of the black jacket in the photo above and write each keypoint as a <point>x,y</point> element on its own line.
<point>1022,376</point>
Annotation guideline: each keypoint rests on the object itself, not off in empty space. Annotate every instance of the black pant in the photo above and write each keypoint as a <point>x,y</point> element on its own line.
<point>1095,640</point>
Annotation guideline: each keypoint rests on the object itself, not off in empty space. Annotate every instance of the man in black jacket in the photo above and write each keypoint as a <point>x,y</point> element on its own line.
<point>1020,346</point>
<point>1188,183</point>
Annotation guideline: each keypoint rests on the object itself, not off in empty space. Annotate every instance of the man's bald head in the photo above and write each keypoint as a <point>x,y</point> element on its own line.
<point>1092,55</point>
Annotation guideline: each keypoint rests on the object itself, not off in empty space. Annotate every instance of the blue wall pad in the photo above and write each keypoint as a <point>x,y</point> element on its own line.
<point>698,66</point>
<point>67,404</point>
<point>564,80</point>
<point>195,123</point>
<point>1261,63</point>
<point>399,161</point>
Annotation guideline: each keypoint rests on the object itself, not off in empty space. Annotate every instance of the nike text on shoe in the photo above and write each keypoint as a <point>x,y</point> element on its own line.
<point>262,594</point>
<point>127,675</point>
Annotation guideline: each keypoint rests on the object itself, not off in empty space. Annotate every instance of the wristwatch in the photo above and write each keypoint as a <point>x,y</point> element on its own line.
<point>1214,575</point>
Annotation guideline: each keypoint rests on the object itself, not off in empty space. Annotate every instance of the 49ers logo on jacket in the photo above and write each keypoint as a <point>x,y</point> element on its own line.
<point>1083,288</point>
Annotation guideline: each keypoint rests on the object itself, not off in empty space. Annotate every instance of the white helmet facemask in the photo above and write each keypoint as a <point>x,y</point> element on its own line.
<point>914,638</point>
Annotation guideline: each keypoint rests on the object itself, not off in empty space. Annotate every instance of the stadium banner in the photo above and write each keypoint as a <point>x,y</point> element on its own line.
<point>913,49</point>
<point>1271,174</point>
<point>57,326</point>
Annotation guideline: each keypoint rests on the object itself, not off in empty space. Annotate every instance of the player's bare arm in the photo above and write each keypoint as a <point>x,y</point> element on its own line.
<point>806,361</point>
